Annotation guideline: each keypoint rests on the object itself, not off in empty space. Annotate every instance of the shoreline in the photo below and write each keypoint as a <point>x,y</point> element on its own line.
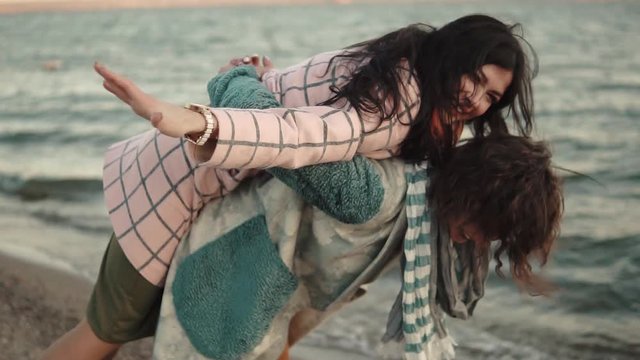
<point>15,7</point>
<point>35,6</point>
<point>32,6</point>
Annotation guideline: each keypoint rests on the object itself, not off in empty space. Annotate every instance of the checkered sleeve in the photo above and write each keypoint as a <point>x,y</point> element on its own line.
<point>153,192</point>
<point>296,136</point>
<point>308,83</point>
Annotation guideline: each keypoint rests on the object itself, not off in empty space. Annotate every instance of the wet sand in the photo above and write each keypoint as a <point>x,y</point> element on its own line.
<point>38,305</point>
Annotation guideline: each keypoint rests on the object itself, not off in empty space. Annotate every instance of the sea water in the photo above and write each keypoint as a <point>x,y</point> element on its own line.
<point>56,121</point>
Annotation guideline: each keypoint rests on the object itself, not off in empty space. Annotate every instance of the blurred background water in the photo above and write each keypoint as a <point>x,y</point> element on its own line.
<point>56,123</point>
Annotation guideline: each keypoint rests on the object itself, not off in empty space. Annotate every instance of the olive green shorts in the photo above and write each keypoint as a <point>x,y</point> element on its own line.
<point>124,306</point>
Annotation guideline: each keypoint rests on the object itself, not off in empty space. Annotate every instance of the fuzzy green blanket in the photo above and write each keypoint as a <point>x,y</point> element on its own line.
<point>227,293</point>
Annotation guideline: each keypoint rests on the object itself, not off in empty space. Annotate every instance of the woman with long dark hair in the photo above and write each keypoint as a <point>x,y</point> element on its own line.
<point>407,94</point>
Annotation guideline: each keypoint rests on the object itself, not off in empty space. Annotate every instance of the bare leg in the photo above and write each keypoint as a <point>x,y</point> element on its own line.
<point>80,343</point>
<point>285,353</point>
<point>298,328</point>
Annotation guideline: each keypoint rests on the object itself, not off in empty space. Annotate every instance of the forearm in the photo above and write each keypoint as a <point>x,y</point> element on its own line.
<point>281,137</point>
<point>287,137</point>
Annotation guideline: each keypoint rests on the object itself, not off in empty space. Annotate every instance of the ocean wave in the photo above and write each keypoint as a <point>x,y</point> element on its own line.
<point>601,269</point>
<point>40,188</point>
<point>96,137</point>
<point>615,87</point>
<point>633,176</point>
<point>32,136</point>
<point>95,224</point>
<point>613,346</point>
<point>588,112</point>
<point>595,251</point>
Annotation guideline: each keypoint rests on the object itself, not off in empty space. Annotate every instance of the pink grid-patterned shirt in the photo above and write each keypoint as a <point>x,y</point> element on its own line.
<point>154,189</point>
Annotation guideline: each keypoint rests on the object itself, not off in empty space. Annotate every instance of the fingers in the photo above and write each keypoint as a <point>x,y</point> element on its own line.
<point>111,83</point>
<point>251,60</point>
<point>236,61</point>
<point>255,60</point>
<point>267,63</point>
<point>233,63</point>
<point>116,81</point>
<point>118,92</point>
<point>106,73</point>
<point>100,69</point>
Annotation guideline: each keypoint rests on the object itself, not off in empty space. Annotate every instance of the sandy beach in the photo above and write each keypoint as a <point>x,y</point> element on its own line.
<point>38,304</point>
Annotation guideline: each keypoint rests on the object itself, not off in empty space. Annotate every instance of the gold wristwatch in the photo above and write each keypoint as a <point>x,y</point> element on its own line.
<point>211,124</point>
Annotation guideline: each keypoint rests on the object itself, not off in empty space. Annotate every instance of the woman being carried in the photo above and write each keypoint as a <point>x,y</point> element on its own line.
<point>406,94</point>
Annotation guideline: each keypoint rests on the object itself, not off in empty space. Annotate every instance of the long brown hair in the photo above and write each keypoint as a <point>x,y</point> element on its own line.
<point>507,187</point>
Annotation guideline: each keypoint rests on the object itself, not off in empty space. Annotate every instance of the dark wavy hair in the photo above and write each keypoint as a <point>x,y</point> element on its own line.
<point>439,58</point>
<point>506,186</point>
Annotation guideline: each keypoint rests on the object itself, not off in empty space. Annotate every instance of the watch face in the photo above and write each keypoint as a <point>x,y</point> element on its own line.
<point>198,107</point>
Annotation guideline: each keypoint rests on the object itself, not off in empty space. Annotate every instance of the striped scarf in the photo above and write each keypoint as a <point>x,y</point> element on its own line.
<point>420,315</point>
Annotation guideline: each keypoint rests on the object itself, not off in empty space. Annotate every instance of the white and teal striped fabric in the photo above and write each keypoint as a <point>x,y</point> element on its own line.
<point>421,340</point>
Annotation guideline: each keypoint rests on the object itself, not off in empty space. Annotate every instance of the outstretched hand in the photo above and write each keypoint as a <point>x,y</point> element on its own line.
<point>169,119</point>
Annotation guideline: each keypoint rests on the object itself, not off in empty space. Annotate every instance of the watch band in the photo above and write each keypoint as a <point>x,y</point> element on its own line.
<point>211,124</point>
